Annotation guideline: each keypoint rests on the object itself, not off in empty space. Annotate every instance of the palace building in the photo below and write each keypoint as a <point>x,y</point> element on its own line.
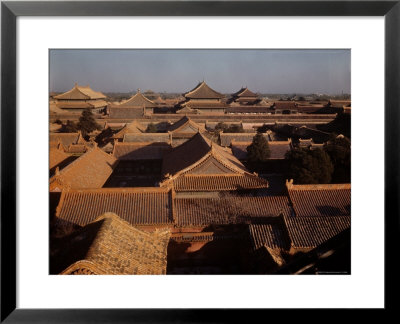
<point>80,98</point>
<point>204,100</point>
<point>136,106</point>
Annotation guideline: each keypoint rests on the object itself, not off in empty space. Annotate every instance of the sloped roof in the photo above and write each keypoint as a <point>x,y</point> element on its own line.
<point>199,165</point>
<point>147,137</point>
<point>91,170</point>
<point>137,206</point>
<point>229,210</point>
<point>183,124</point>
<point>196,150</point>
<point>80,93</point>
<point>81,104</point>
<point>137,101</point>
<point>309,232</point>
<point>132,127</point>
<point>202,90</point>
<point>56,156</point>
<point>284,105</point>
<point>67,139</point>
<point>109,245</point>
<point>227,138</point>
<point>140,151</point>
<point>320,200</point>
<point>272,235</point>
<point>244,92</point>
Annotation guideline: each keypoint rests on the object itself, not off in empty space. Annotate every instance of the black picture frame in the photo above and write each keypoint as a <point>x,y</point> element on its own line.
<point>11,10</point>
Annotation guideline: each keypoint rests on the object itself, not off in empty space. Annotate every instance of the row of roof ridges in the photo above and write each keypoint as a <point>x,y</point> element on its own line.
<point>328,186</point>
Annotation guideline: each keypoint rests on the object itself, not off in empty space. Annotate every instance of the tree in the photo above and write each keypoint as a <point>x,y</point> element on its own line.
<point>234,128</point>
<point>87,123</point>
<point>309,166</point>
<point>69,127</point>
<point>151,128</point>
<point>338,148</point>
<point>258,150</point>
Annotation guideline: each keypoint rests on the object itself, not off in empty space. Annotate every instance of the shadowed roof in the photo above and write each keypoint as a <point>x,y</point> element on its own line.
<point>140,151</point>
<point>202,90</point>
<point>80,93</point>
<point>56,156</point>
<point>98,249</point>
<point>137,206</point>
<point>91,170</point>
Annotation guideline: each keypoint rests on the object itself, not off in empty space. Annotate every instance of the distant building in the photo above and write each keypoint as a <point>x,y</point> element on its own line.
<point>284,107</point>
<point>80,98</point>
<point>136,106</point>
<point>204,100</point>
<point>245,97</point>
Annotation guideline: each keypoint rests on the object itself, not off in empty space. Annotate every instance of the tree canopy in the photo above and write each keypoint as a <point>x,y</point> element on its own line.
<point>232,128</point>
<point>151,128</point>
<point>69,127</point>
<point>307,166</point>
<point>87,123</point>
<point>339,150</point>
<point>258,150</point>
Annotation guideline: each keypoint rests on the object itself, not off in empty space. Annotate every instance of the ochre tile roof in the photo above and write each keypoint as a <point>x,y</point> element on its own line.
<point>56,156</point>
<point>137,101</point>
<point>185,125</point>
<point>218,182</point>
<point>309,232</point>
<point>227,138</point>
<point>140,151</point>
<point>320,200</point>
<point>131,128</point>
<point>79,93</point>
<point>67,139</point>
<point>117,248</point>
<point>147,137</point>
<point>244,92</point>
<point>203,91</point>
<point>91,170</point>
<point>272,235</point>
<point>80,104</point>
<point>284,105</point>
<point>206,211</point>
<point>198,165</point>
<point>117,112</point>
<point>248,110</point>
<point>137,206</point>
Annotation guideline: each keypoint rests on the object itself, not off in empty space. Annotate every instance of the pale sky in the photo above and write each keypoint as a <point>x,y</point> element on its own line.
<point>226,71</point>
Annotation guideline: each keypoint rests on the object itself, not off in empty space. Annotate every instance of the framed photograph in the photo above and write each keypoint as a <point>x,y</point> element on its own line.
<point>208,141</point>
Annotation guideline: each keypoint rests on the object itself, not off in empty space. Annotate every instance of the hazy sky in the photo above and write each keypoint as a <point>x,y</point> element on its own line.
<point>266,71</point>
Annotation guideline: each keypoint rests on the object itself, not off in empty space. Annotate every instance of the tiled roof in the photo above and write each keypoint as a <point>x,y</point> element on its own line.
<point>244,92</point>
<point>339,103</point>
<point>56,156</point>
<point>91,170</point>
<point>131,128</point>
<point>112,246</point>
<point>309,232</point>
<point>202,90</point>
<point>147,137</point>
<point>226,138</point>
<point>284,105</point>
<point>195,151</point>
<point>320,200</point>
<point>185,125</point>
<point>140,151</point>
<point>77,148</point>
<point>206,211</point>
<point>200,104</point>
<point>272,235</point>
<point>138,101</point>
<point>117,112</point>
<point>137,206</point>
<point>80,92</point>
<point>218,182</point>
<point>67,139</point>
<point>248,110</point>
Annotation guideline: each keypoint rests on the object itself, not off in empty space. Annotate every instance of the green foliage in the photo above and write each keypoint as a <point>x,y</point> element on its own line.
<point>87,123</point>
<point>151,128</point>
<point>69,127</point>
<point>339,151</point>
<point>259,150</point>
<point>232,128</point>
<point>309,166</point>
